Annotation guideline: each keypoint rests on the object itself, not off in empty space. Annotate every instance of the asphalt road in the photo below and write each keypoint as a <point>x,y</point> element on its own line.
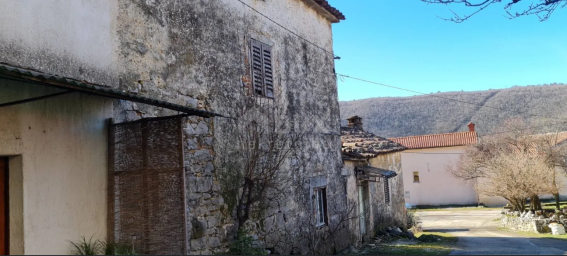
<point>478,234</point>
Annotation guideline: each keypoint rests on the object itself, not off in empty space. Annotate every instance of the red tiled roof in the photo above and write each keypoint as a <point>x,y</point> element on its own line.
<point>438,140</point>
<point>338,14</point>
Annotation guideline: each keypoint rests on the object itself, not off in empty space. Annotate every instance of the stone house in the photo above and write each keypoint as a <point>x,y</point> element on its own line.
<point>424,164</point>
<point>117,118</point>
<point>373,168</point>
<point>426,180</point>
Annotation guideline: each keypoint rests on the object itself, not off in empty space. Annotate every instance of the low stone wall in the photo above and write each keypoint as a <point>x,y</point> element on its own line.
<point>525,224</point>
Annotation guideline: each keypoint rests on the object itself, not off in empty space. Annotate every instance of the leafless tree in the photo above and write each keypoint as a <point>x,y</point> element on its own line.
<point>345,212</point>
<point>514,165</point>
<point>254,174</point>
<point>541,8</point>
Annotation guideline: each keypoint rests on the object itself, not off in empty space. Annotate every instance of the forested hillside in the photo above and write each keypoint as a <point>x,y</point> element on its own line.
<point>540,106</point>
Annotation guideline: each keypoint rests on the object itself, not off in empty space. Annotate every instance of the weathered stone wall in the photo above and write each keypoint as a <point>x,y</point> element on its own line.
<point>196,53</point>
<point>381,214</point>
<point>392,214</point>
<point>207,221</point>
<point>525,224</point>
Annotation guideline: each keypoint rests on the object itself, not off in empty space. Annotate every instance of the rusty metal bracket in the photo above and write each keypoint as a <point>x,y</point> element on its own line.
<point>34,99</point>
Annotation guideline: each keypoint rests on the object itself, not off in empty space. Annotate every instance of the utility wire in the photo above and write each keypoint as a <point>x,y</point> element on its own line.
<point>445,98</point>
<point>289,30</point>
<point>340,76</point>
<point>381,84</point>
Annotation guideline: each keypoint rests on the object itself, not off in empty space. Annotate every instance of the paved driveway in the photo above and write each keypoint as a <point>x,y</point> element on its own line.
<point>479,235</point>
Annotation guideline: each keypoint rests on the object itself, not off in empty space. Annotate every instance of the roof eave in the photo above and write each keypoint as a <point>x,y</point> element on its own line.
<point>27,75</point>
<point>323,11</point>
<point>452,146</point>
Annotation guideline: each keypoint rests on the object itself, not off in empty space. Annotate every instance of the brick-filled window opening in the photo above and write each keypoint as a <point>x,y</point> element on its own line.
<point>262,69</point>
<point>415,177</point>
<point>387,191</point>
<point>320,195</point>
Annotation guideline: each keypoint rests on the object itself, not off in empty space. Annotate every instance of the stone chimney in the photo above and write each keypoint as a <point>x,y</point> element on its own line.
<point>355,122</point>
<point>471,127</point>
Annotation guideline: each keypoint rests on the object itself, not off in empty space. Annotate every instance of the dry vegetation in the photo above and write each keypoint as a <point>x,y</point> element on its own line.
<point>418,115</point>
<point>517,166</point>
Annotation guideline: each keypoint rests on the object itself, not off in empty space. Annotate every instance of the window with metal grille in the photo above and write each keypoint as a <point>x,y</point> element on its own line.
<point>387,191</point>
<point>415,177</point>
<point>262,71</point>
<point>320,195</point>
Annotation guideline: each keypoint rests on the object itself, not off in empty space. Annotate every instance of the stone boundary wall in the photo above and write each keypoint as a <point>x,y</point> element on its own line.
<point>528,224</point>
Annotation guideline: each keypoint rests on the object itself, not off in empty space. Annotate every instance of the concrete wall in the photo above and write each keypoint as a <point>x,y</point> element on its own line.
<point>57,169</point>
<point>436,186</point>
<point>75,39</point>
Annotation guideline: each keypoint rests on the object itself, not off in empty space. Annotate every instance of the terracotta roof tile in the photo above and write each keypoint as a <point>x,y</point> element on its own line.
<point>438,140</point>
<point>323,3</point>
<point>358,143</point>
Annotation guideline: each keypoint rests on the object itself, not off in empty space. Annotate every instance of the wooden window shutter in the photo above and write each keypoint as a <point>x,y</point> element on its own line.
<point>386,190</point>
<point>257,67</point>
<point>325,216</point>
<point>268,71</point>
<point>262,69</point>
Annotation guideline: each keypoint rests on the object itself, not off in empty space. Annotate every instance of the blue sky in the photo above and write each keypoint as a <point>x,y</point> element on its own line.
<point>403,43</point>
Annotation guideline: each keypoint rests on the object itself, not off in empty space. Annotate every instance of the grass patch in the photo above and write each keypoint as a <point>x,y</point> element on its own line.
<point>437,237</point>
<point>536,235</point>
<point>456,209</point>
<point>428,243</point>
<point>417,249</point>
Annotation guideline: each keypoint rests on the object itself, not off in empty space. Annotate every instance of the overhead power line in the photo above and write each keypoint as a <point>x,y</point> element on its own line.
<point>289,30</point>
<point>385,85</point>
<point>446,98</point>
<point>408,90</point>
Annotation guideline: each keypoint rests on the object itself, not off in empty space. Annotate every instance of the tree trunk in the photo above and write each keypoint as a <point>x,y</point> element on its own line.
<point>557,204</point>
<point>535,203</point>
<point>518,204</point>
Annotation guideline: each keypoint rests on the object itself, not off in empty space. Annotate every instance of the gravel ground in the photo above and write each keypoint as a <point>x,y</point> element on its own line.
<point>479,234</point>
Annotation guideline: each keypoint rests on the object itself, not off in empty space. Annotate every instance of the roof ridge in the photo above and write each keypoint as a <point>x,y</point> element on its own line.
<point>449,133</point>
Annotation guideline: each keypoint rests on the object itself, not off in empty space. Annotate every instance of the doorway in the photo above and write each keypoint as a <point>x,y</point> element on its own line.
<point>4,210</point>
<point>361,212</point>
<point>363,208</point>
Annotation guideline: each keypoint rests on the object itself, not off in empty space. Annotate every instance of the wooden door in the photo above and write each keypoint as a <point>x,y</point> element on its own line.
<point>4,224</point>
<point>361,210</point>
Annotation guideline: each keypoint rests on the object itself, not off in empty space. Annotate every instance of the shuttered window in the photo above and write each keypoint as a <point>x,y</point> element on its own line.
<point>387,191</point>
<point>321,206</point>
<point>262,70</point>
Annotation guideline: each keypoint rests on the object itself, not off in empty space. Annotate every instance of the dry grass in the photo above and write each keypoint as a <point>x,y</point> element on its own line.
<point>442,244</point>
<point>457,209</point>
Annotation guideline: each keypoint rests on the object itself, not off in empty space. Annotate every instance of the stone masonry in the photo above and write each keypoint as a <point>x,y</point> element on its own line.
<point>197,53</point>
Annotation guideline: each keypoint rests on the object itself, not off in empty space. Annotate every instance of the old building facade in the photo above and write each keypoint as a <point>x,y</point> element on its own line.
<point>375,184</point>
<point>426,179</point>
<point>224,65</point>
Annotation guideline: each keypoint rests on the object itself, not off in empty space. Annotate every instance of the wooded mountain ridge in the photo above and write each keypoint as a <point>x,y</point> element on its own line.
<point>541,107</point>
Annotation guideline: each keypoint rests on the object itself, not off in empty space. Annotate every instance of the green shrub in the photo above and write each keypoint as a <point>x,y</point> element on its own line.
<point>84,247</point>
<point>244,245</point>
<point>97,247</point>
<point>414,222</point>
<point>112,248</point>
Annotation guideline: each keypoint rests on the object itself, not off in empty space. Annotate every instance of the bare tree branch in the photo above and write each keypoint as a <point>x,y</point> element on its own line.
<point>540,8</point>
<point>517,166</point>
